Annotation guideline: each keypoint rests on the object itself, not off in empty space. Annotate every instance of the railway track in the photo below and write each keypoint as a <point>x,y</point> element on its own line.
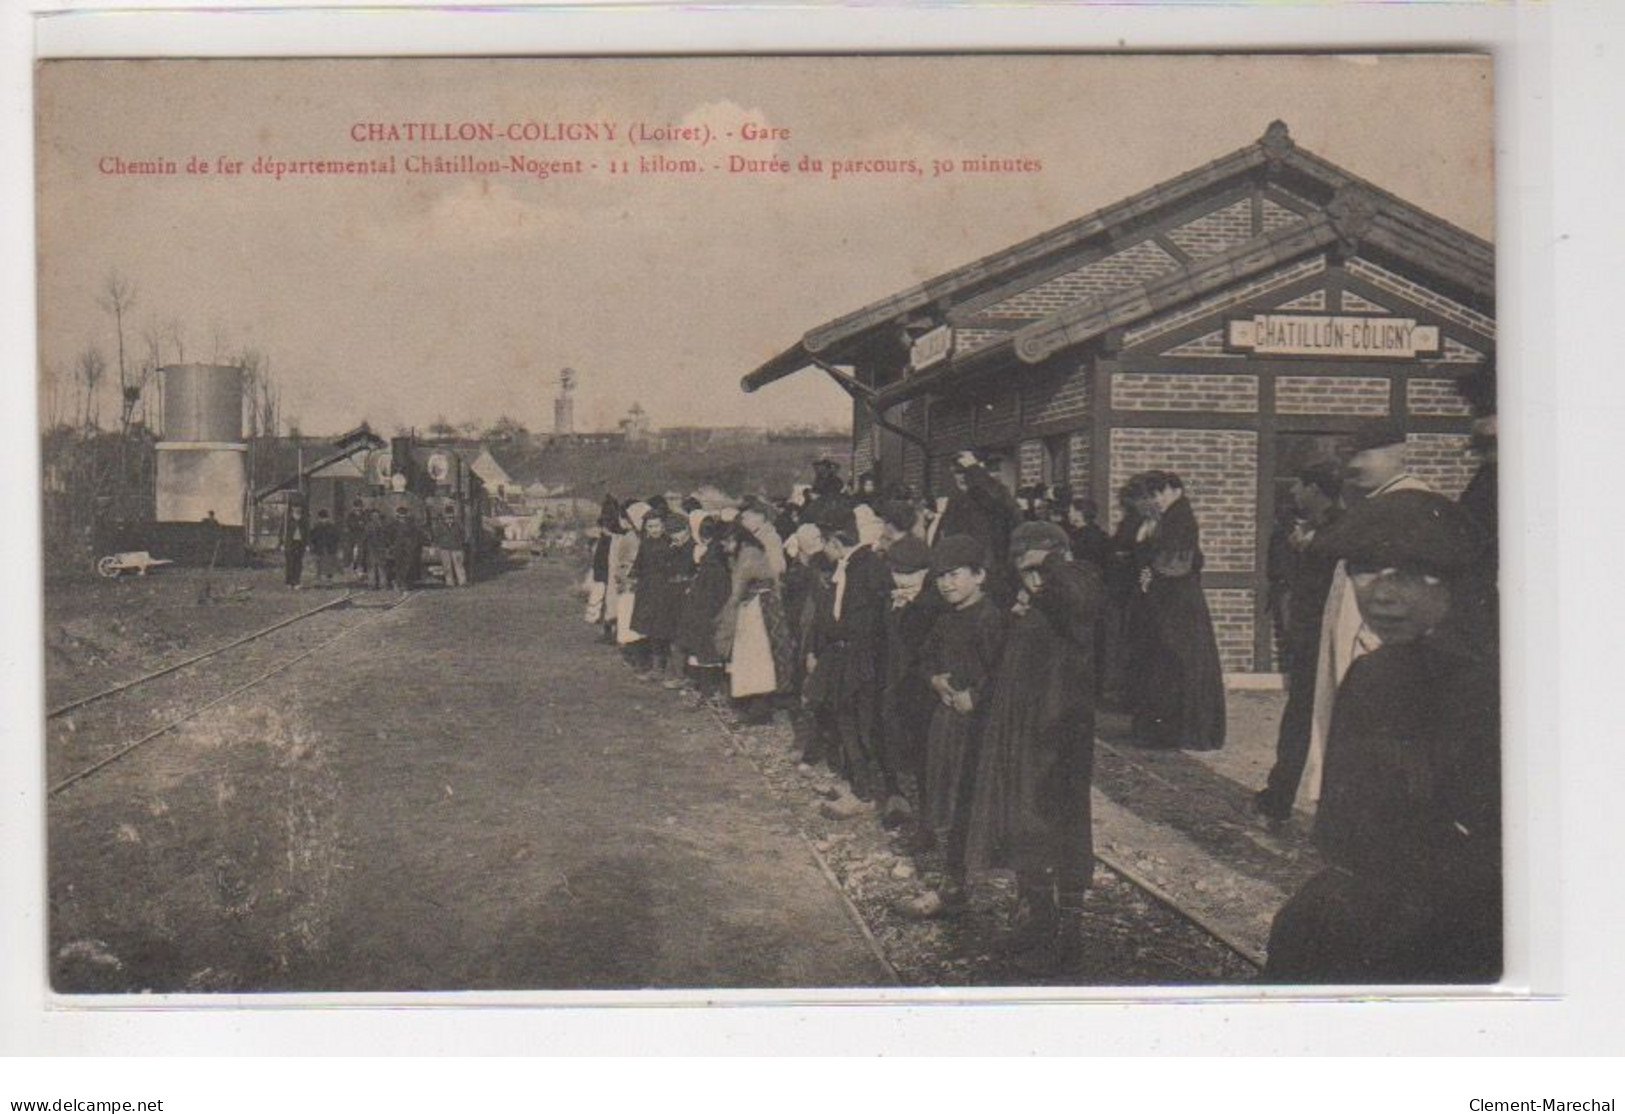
<point>1241,949</point>
<point>91,733</point>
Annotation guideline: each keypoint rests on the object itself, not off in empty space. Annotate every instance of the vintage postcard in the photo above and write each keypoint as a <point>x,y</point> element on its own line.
<point>776,523</point>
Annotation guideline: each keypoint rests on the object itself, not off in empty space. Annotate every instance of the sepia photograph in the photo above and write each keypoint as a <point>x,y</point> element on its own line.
<point>770,523</point>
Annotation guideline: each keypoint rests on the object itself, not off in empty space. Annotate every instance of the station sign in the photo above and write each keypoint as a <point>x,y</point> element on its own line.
<point>1293,334</point>
<point>931,348</point>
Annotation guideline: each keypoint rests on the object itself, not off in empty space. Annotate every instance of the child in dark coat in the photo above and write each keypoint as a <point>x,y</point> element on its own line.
<point>655,607</point>
<point>961,656</point>
<point>1031,812</point>
<point>806,584</point>
<point>907,701</point>
<point>703,600</point>
<point>844,660</point>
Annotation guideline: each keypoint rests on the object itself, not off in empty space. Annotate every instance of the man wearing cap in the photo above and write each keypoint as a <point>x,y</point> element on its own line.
<point>1030,812</point>
<point>827,486</point>
<point>1308,580</point>
<point>980,507</point>
<point>1376,469</point>
<point>1410,817</point>
<point>447,534</point>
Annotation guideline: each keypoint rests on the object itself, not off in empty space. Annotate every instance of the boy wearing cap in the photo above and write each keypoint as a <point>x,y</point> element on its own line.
<point>960,656</point>
<point>1031,809</point>
<point>979,506</point>
<point>1410,817</point>
<point>907,701</point>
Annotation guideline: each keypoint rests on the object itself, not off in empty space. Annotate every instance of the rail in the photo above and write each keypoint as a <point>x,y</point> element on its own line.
<point>129,748</point>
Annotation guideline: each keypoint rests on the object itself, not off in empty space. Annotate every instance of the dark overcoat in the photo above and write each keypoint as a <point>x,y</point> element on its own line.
<point>1410,823</point>
<point>1030,810</point>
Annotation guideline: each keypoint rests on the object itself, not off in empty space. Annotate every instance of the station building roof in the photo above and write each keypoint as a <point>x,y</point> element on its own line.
<point>1342,208</point>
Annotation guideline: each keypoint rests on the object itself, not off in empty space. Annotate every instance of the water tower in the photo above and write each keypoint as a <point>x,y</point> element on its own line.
<point>564,407</point>
<point>202,460</point>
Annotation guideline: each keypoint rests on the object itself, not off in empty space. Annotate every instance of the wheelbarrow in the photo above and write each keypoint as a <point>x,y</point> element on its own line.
<point>138,562</point>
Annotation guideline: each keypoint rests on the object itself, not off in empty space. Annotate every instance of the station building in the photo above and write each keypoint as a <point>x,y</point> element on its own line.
<point>1227,325</point>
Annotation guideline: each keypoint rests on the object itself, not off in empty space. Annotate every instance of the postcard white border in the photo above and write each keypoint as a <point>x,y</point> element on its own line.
<point>1544,102</point>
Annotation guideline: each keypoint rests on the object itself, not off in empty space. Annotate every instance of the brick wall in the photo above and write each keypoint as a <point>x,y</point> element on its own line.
<point>1230,297</point>
<point>1234,394</point>
<point>1331,394</point>
<point>1232,610</point>
<point>950,423</point>
<point>1442,460</point>
<point>1135,265</point>
<point>913,468</point>
<point>1422,296</point>
<point>968,340</point>
<point>1219,468</point>
<point>1208,346</point>
<point>1354,303</point>
<point>1278,216</point>
<point>1315,300</point>
<point>1435,398</point>
<point>1078,473</point>
<point>997,418</point>
<point>1455,352</point>
<point>1218,230</point>
<point>1030,462</point>
<point>1056,396</point>
<point>863,440</point>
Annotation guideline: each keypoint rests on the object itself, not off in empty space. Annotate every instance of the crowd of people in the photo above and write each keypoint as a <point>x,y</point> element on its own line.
<point>378,544</point>
<point>941,660</point>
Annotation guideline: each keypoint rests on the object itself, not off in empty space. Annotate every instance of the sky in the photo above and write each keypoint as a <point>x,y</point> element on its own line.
<point>402,299</point>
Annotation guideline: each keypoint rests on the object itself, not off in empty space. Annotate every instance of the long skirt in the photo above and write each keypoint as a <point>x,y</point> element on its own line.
<point>595,601</point>
<point>1181,685</point>
<point>624,634</point>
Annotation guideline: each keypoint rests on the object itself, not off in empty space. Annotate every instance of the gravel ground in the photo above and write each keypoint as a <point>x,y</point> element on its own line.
<point>1131,939</point>
<point>312,836</point>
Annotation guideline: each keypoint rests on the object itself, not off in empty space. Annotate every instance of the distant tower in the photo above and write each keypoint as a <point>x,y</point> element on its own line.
<point>564,407</point>
<point>635,425</point>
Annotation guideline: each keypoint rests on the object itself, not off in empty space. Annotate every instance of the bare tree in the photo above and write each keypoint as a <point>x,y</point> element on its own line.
<point>270,400</point>
<point>175,333</point>
<point>54,395</point>
<point>117,298</point>
<point>248,362</point>
<point>152,358</point>
<point>89,371</point>
<point>220,337</point>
